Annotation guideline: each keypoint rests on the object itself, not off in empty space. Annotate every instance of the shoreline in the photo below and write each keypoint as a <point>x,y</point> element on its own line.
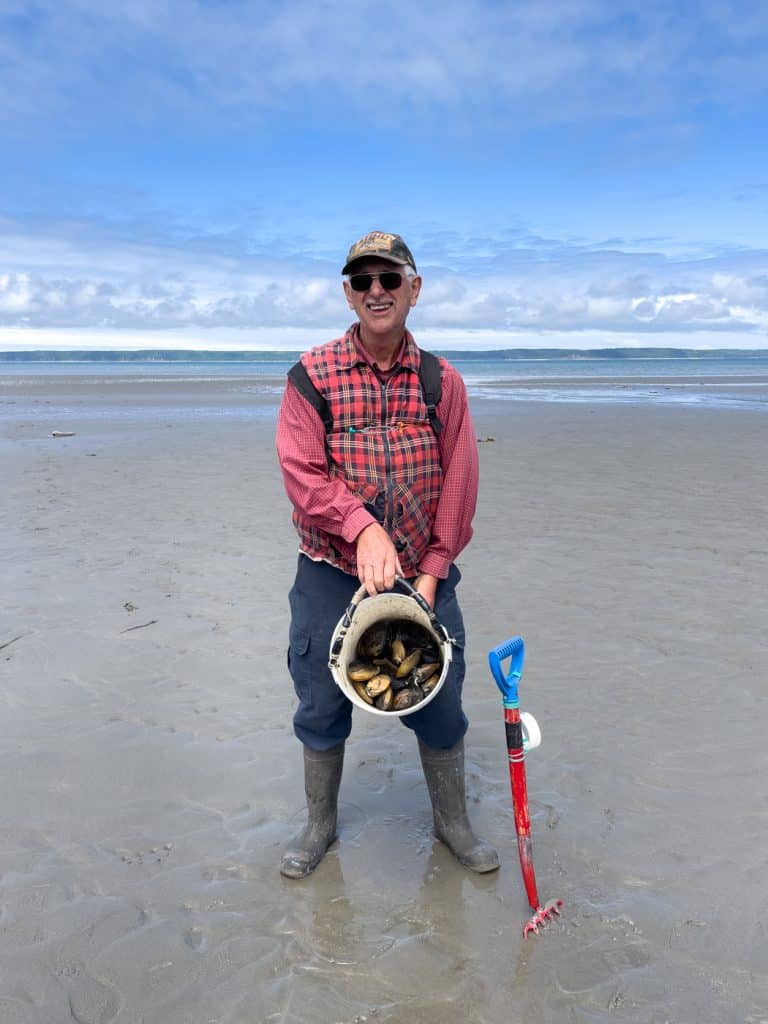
<point>23,398</point>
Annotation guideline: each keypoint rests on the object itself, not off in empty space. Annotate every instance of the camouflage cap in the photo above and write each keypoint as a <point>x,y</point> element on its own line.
<point>382,246</point>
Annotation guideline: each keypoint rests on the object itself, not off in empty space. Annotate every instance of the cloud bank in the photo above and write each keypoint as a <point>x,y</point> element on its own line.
<point>67,277</point>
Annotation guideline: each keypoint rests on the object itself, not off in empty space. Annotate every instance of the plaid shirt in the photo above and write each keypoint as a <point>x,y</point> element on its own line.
<point>382,462</point>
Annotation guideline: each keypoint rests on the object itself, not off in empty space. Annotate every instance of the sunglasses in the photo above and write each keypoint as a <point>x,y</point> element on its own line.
<point>390,280</point>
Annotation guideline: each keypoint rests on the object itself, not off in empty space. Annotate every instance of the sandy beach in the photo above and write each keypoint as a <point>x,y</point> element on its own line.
<point>149,776</point>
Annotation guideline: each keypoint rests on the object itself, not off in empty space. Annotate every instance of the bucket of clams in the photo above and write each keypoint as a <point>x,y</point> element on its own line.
<point>389,653</point>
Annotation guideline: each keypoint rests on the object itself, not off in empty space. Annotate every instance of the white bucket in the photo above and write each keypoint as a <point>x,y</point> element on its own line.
<point>362,613</point>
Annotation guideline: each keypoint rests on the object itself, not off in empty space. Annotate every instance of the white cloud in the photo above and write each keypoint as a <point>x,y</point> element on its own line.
<point>524,285</point>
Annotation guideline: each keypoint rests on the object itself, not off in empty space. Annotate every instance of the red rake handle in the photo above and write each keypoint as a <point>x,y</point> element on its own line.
<point>508,684</point>
<point>541,914</point>
<point>520,802</point>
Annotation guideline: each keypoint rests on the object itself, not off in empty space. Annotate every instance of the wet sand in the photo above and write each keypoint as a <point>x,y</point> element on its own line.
<point>149,776</point>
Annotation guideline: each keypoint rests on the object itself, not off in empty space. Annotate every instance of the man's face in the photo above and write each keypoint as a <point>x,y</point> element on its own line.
<point>380,311</point>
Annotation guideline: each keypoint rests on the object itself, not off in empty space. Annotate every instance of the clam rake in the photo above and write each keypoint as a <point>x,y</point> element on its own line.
<point>522,732</point>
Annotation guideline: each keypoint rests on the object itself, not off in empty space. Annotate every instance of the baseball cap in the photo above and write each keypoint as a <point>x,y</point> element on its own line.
<point>379,245</point>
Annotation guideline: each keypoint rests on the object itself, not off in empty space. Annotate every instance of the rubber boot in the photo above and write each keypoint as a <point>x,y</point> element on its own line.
<point>322,777</point>
<point>444,772</point>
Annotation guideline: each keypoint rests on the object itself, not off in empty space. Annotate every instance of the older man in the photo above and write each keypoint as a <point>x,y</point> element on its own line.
<point>382,475</point>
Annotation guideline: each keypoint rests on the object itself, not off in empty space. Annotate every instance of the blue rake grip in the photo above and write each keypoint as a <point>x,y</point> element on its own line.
<point>507,682</point>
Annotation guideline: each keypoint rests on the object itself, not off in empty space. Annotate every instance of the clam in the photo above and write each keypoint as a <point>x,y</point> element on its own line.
<point>404,699</point>
<point>361,692</point>
<point>384,701</point>
<point>376,686</point>
<point>429,685</point>
<point>374,640</point>
<point>416,636</point>
<point>408,664</point>
<point>361,671</point>
<point>397,650</point>
<point>424,671</point>
<point>418,693</point>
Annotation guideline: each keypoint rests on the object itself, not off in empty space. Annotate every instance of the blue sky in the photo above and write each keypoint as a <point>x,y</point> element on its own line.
<point>191,174</point>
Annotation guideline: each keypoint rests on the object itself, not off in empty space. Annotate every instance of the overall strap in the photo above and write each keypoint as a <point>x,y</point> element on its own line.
<point>430,379</point>
<point>301,381</point>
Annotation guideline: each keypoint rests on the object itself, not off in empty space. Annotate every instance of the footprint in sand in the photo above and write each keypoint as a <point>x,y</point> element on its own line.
<point>607,959</point>
<point>92,1001</point>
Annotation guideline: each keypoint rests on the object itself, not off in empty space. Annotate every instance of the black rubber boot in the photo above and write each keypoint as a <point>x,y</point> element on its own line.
<point>444,772</point>
<point>322,777</point>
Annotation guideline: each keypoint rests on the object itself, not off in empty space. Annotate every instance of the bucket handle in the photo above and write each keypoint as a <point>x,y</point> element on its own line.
<point>358,596</point>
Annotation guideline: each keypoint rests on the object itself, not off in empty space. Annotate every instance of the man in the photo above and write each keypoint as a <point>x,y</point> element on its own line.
<point>379,488</point>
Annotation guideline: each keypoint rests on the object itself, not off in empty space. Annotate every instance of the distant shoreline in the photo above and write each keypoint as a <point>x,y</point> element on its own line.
<point>261,355</point>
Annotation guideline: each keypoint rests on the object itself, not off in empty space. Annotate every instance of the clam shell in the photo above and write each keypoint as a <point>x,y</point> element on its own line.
<point>424,671</point>
<point>430,683</point>
<point>376,686</point>
<point>361,671</point>
<point>397,650</point>
<point>404,699</point>
<point>373,641</point>
<point>384,701</point>
<point>361,692</point>
<point>408,664</point>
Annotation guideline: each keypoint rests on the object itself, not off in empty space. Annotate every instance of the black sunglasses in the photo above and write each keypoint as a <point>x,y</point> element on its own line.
<point>390,279</point>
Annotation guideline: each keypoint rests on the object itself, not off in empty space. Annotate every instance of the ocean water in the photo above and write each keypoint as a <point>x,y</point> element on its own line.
<point>733,380</point>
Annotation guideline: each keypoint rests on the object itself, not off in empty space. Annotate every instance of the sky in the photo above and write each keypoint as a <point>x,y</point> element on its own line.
<point>567,173</point>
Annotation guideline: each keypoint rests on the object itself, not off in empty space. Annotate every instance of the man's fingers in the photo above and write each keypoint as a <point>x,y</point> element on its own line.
<point>377,577</point>
<point>369,579</point>
<point>377,560</point>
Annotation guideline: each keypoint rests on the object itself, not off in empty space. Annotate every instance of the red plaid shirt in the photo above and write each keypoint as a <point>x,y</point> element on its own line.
<point>324,504</point>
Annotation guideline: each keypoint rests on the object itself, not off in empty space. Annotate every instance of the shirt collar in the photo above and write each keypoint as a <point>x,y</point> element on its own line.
<point>353,351</point>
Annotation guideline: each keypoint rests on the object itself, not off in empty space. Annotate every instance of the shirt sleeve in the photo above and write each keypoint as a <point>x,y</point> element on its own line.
<point>325,502</point>
<point>452,529</point>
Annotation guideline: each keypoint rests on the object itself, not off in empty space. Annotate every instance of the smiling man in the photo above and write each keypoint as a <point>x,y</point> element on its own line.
<point>379,458</point>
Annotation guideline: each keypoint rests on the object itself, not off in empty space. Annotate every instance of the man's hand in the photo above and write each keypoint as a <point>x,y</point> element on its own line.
<point>377,561</point>
<point>427,587</point>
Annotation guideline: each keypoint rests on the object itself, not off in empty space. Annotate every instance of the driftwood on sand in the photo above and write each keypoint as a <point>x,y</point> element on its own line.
<point>9,642</point>
<point>142,626</point>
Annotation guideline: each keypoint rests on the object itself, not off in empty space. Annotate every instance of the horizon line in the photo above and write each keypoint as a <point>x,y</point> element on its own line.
<point>177,354</point>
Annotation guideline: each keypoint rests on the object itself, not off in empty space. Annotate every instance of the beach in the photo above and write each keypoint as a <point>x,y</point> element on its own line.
<point>149,776</point>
